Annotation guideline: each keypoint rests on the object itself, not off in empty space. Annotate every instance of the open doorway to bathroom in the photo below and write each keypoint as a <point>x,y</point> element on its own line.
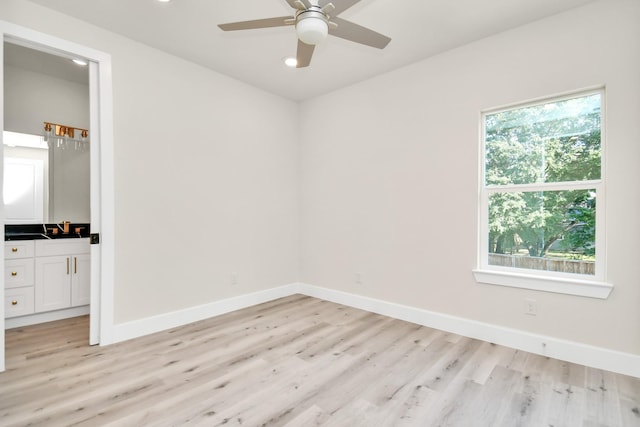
<point>46,191</point>
<point>97,263</point>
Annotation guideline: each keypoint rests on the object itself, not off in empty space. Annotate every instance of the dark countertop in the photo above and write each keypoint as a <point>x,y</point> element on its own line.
<point>37,231</point>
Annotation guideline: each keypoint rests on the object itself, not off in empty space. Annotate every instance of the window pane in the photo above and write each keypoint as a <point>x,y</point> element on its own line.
<point>553,142</point>
<point>543,230</point>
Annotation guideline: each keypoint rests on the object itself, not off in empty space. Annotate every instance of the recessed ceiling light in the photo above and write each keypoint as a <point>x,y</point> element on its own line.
<point>80,62</point>
<point>164,1</point>
<point>290,62</point>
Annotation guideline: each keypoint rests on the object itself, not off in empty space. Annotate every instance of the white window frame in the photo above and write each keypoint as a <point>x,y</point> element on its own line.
<point>551,281</point>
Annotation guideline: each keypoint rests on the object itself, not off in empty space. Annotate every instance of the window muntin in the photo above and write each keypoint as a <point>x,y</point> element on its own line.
<point>542,172</point>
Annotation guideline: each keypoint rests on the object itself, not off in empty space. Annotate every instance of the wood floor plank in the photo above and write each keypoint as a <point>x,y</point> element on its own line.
<point>299,361</point>
<point>487,410</point>
<point>602,400</point>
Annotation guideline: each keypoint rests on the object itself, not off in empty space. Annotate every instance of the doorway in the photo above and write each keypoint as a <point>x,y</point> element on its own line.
<point>101,173</point>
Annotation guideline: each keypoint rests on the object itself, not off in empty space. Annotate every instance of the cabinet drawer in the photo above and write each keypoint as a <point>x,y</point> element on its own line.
<point>18,273</point>
<point>19,249</point>
<point>62,247</point>
<point>18,301</point>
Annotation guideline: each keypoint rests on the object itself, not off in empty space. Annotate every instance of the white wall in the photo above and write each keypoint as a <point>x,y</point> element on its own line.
<point>391,191</point>
<point>205,175</point>
<point>32,98</point>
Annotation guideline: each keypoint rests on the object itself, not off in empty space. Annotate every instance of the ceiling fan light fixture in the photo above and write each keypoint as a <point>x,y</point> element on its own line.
<point>312,27</point>
<point>291,62</point>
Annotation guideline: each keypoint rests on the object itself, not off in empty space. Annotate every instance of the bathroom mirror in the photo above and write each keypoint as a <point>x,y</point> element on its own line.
<point>42,183</point>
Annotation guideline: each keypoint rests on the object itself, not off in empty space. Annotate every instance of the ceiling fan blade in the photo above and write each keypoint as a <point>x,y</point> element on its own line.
<point>280,21</point>
<point>297,4</point>
<point>306,3</point>
<point>305,52</point>
<point>339,6</point>
<point>356,33</point>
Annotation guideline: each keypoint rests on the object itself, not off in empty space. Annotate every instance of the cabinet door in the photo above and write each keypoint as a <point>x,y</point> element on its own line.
<point>23,190</point>
<point>53,283</point>
<point>80,280</point>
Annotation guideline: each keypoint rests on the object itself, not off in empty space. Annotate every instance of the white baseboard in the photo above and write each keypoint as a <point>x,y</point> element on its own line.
<point>570,351</point>
<point>49,316</point>
<point>596,357</point>
<point>150,325</point>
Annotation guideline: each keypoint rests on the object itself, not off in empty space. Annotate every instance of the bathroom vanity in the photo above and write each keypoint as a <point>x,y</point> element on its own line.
<point>46,277</point>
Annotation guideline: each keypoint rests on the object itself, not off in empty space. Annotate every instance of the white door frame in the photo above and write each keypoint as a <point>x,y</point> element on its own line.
<point>102,180</point>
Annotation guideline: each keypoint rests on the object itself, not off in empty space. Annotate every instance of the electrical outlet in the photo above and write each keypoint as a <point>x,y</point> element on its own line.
<point>234,278</point>
<point>530,307</point>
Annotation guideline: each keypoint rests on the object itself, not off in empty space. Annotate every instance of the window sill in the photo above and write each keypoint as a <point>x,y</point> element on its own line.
<point>568,286</point>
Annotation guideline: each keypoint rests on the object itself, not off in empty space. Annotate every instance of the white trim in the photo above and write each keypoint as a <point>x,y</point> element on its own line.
<point>161,322</point>
<point>569,286</point>
<point>95,205</point>
<point>545,186</point>
<point>540,100</point>
<point>105,212</point>
<point>49,316</point>
<point>2,321</point>
<point>596,357</point>
<point>571,351</point>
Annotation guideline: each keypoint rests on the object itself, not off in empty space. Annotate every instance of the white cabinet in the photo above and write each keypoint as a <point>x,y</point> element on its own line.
<point>53,283</point>
<point>19,278</point>
<point>81,280</point>
<point>19,249</point>
<point>46,275</point>
<point>18,273</point>
<point>62,274</point>
<point>18,301</point>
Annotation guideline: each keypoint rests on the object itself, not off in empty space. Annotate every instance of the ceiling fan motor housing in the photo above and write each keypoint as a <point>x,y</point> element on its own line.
<point>312,25</point>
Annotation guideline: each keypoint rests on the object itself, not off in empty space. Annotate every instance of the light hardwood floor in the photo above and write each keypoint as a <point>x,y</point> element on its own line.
<point>299,361</point>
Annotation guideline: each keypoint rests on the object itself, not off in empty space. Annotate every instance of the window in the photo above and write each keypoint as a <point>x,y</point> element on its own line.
<point>542,196</point>
<point>25,178</point>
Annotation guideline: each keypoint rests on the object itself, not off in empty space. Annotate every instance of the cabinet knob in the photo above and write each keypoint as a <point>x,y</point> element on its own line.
<point>14,249</point>
<point>14,302</point>
<point>14,273</point>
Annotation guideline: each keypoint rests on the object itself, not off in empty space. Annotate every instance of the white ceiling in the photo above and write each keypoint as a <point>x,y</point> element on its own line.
<point>418,29</point>
<point>45,63</point>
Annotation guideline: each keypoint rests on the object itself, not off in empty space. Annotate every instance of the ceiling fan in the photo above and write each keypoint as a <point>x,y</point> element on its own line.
<point>313,23</point>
